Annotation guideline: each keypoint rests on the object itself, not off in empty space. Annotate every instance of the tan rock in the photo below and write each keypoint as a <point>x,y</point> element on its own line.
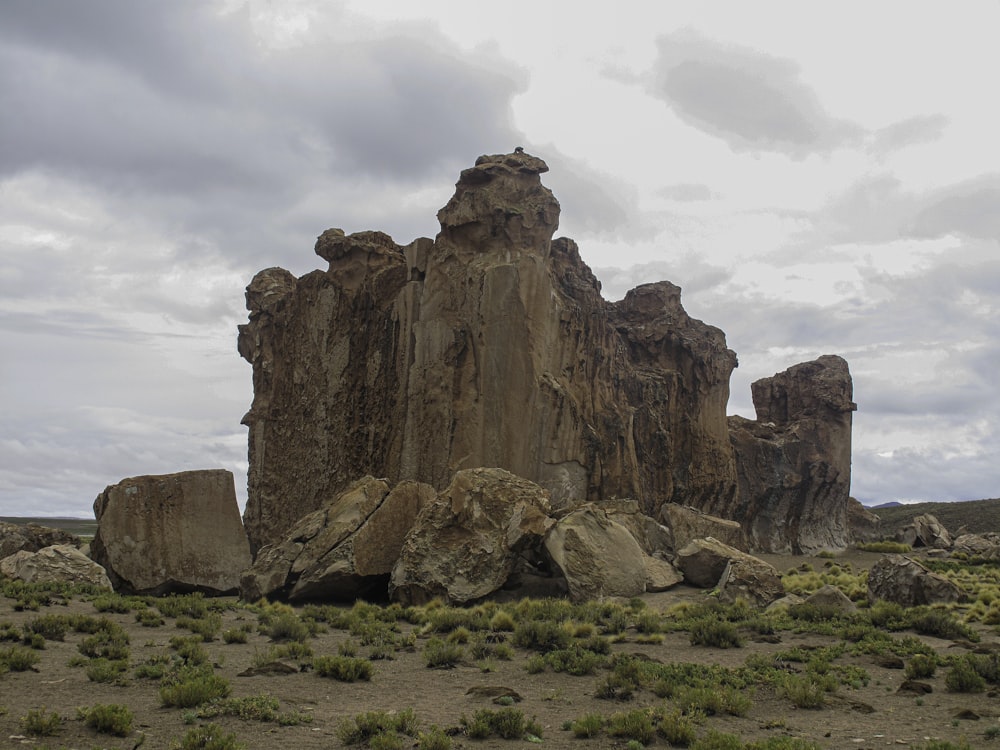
<point>31,537</point>
<point>687,524</point>
<point>173,532</point>
<point>62,563</point>
<point>831,597</point>
<point>901,579</point>
<point>709,563</point>
<point>465,543</point>
<point>863,525</point>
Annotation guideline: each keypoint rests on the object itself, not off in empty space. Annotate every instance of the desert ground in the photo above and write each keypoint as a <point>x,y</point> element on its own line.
<point>278,668</point>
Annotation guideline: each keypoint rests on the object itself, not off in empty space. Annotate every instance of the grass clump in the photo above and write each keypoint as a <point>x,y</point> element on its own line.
<point>634,725</point>
<point>921,666</point>
<point>149,618</point>
<point>378,728</point>
<point>17,659</point>
<point>885,546</point>
<point>112,718</point>
<point>963,677</point>
<point>50,627</point>
<point>715,633</point>
<point>107,671</point>
<point>679,728</point>
<point>254,708</point>
<point>235,635</point>
<point>343,668</point>
<point>207,626</point>
<point>587,726</point>
<point>208,737</point>
<point>433,739</point>
<point>193,686</point>
<point>440,654</point>
<point>506,723</point>
<point>38,723</point>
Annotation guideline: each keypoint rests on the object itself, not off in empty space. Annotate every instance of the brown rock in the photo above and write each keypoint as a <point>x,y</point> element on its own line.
<point>465,543</point>
<point>930,532</point>
<point>863,525</point>
<point>31,537</point>
<point>986,546</point>
<point>173,532</point>
<point>901,579</point>
<point>710,563</point>
<point>794,461</point>
<point>488,346</point>
<point>345,550</point>
<point>829,596</point>
<point>62,563</point>
<point>687,524</point>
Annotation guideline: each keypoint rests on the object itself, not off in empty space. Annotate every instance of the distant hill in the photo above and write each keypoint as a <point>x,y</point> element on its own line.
<point>85,527</point>
<point>978,516</point>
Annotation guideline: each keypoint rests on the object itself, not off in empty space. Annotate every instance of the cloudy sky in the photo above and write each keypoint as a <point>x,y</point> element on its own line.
<point>818,178</point>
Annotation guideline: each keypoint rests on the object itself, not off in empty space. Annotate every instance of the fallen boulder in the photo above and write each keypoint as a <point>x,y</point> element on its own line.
<point>829,596</point>
<point>985,546</point>
<point>465,543</point>
<point>931,533</point>
<point>709,563</point>
<point>171,533</point>
<point>901,579</point>
<point>61,563</point>
<point>686,524</point>
<point>343,551</point>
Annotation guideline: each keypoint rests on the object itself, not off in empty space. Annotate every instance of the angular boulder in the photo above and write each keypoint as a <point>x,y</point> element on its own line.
<point>343,551</point>
<point>830,597</point>
<point>929,532</point>
<point>709,563</point>
<point>687,524</point>
<point>863,525</point>
<point>171,533</point>
<point>793,462</point>
<point>31,537</point>
<point>985,546</point>
<point>61,563</point>
<point>465,543</point>
<point>490,345</point>
<point>599,557</point>
<point>901,579</point>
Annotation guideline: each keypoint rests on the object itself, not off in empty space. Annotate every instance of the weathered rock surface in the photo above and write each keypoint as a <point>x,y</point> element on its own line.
<point>925,531</point>
<point>863,525</point>
<point>794,462</point>
<point>343,551</point>
<point>687,524</point>
<point>465,543</point>
<point>487,346</point>
<point>654,538</point>
<point>61,563</point>
<point>709,563</point>
<point>173,532</point>
<point>599,557</point>
<point>829,596</point>
<point>901,579</point>
<point>31,537</point>
<point>986,546</point>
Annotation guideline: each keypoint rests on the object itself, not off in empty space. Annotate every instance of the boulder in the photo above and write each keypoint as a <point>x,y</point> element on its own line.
<point>863,525</point>
<point>901,579</point>
<point>709,563</point>
<point>488,346</point>
<point>985,546</point>
<point>930,532</point>
<point>654,538</point>
<point>465,543</point>
<point>31,537</point>
<point>61,563</point>
<point>343,551</point>
<point>171,533</point>
<point>687,524</point>
<point>830,597</point>
<point>600,557</point>
<point>793,462</point>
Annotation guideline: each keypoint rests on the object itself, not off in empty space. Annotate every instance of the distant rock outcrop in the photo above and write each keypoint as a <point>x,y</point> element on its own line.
<point>488,346</point>
<point>925,531</point>
<point>61,563</point>
<point>863,525</point>
<point>31,537</point>
<point>794,461</point>
<point>171,533</point>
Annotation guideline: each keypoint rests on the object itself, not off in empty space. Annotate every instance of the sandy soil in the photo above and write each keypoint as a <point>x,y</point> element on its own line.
<point>874,716</point>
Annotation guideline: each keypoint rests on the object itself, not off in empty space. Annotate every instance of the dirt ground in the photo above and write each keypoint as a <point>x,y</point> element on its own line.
<point>873,716</point>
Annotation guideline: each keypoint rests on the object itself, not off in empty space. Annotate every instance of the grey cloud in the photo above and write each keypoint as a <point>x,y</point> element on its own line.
<point>688,272</point>
<point>687,192</point>
<point>971,208</point>
<point>752,101</point>
<point>909,132</point>
<point>592,202</point>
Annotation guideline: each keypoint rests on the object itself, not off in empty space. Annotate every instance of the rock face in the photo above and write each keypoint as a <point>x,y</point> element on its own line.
<point>864,526</point>
<point>794,461</point>
<point>903,580</point>
<point>687,524</point>
<point>31,538</point>
<point>342,551</point>
<point>465,544</point>
<point>925,531</point>
<point>61,563</point>
<point>710,563</point>
<point>487,346</point>
<point>174,532</point>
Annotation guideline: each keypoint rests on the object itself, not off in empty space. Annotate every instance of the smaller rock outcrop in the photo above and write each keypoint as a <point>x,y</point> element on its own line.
<point>901,579</point>
<point>61,563</point>
<point>687,524</point>
<point>709,563</point>
<point>829,596</point>
<point>465,543</point>
<point>343,551</point>
<point>31,537</point>
<point>925,531</point>
<point>863,525</point>
<point>171,533</point>
<point>985,546</point>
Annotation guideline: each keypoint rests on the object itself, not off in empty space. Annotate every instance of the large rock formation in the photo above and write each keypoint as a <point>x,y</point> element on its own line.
<point>174,532</point>
<point>794,461</point>
<point>487,346</point>
<point>901,579</point>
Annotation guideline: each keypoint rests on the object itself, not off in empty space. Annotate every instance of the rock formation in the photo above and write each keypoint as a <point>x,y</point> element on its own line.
<point>710,563</point>
<point>794,461</point>
<point>175,532</point>
<point>863,525</point>
<point>31,537</point>
<point>901,579</point>
<point>60,563</point>
<point>925,531</point>
<point>487,346</point>
<point>687,524</point>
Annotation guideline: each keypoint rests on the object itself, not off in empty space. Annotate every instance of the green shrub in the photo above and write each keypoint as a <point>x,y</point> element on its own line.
<point>107,671</point>
<point>963,677</point>
<point>439,654</point>
<point>193,686</point>
<point>783,743</point>
<point>50,627</point>
<point>108,719</point>
<point>189,605</point>
<point>715,633</point>
<point>149,618</point>
<point>633,725</point>
<point>589,725</point>
<point>507,723</point>
<point>805,691</point>
<point>17,659</point>
<point>343,668</point>
<point>207,626</point>
<point>921,666</point>
<point>106,643</point>
<point>541,635</point>
<point>115,603</point>
<point>364,727</point>
<point>941,624</point>
<point>287,627</point>
<point>189,649</point>
<point>679,728</point>
<point>715,740</point>
<point>235,635</point>
<point>37,723</point>
<point>712,699</point>
<point>208,737</point>
<point>433,739</point>
<point>886,546</point>
<point>576,660</point>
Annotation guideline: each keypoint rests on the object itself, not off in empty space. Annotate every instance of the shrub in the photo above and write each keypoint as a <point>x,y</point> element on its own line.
<point>963,677</point>
<point>804,692</point>
<point>17,659</point>
<point>189,649</point>
<point>715,633</point>
<point>190,605</point>
<point>782,743</point>
<point>507,723</point>
<point>193,686</point>
<point>439,654</point>
<point>106,643</point>
<point>107,670</point>
<point>433,739</point>
<point>115,603</point>
<point>37,723</point>
<point>50,627</point>
<point>589,725</point>
<point>343,668</point>
<point>715,740</point>
<point>234,635</point>
<point>541,635</point>
<point>208,737</point>
<point>575,660</point>
<point>108,719</point>
<point>502,621</point>
<point>207,626</point>
<point>941,624</point>
<point>149,618</point>
<point>364,727</point>
<point>287,627</point>
<point>886,546</point>
<point>921,666</point>
<point>633,725</point>
<point>678,728</point>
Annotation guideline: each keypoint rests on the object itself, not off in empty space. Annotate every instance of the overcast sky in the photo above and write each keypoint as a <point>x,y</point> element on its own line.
<point>818,178</point>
